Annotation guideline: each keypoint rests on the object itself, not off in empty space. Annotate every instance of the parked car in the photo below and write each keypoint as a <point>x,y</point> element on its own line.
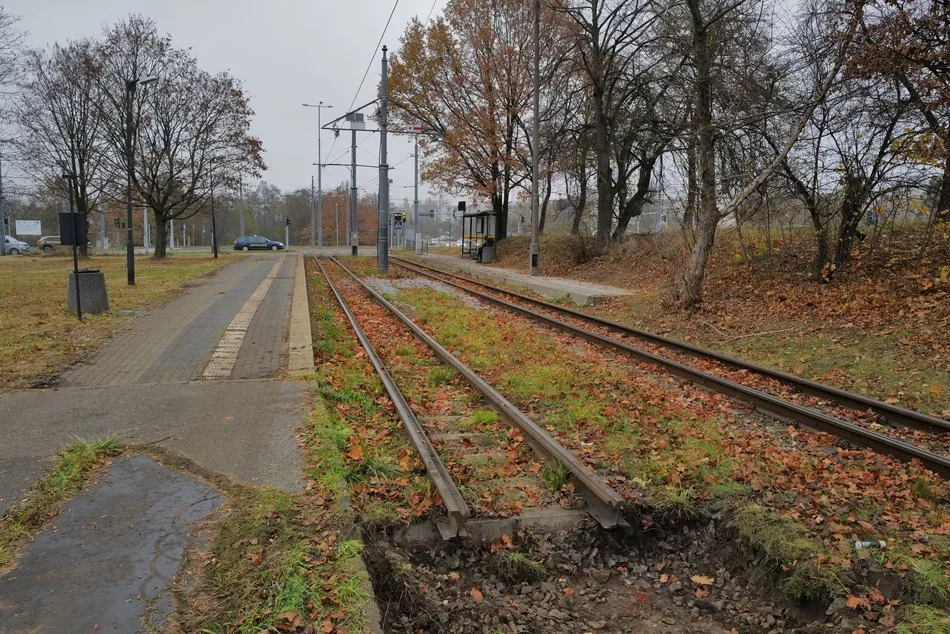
<point>246,243</point>
<point>14,246</point>
<point>48,243</point>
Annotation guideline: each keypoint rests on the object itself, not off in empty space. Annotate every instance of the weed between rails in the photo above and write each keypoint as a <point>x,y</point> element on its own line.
<point>683,452</point>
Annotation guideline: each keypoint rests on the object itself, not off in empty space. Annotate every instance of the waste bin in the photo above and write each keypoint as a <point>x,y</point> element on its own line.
<point>488,254</point>
<point>92,291</point>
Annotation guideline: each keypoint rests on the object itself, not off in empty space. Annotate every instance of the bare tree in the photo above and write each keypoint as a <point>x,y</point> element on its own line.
<point>188,135</point>
<point>610,36</point>
<point>195,139</point>
<point>59,113</point>
<point>717,29</point>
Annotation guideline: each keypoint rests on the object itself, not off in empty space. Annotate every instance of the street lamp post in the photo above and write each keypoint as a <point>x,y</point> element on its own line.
<point>319,219</point>
<point>130,86</point>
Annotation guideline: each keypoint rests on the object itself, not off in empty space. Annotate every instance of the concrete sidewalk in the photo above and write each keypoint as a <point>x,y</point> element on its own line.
<point>583,293</point>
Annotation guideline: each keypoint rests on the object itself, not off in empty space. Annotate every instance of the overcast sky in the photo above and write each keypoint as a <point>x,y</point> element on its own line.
<point>287,52</point>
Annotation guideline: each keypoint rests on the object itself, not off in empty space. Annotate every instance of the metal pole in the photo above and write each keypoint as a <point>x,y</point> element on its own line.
<point>354,210</point>
<point>286,233</point>
<point>145,229</point>
<point>214,225</point>
<point>129,247</point>
<point>171,234</point>
<point>102,229</point>
<point>415,203</point>
<point>3,216</point>
<point>312,220</point>
<point>72,215</point>
<point>383,255</point>
<point>336,215</point>
<point>241,204</point>
<point>319,180</point>
<point>535,247</point>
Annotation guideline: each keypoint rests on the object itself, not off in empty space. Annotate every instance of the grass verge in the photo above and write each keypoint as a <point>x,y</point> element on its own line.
<point>73,467</point>
<point>44,338</point>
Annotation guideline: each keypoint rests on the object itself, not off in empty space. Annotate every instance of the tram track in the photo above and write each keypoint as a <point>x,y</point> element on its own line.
<point>759,400</point>
<point>602,502</point>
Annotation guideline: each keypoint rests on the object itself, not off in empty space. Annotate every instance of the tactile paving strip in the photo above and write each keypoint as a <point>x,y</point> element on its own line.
<point>226,353</point>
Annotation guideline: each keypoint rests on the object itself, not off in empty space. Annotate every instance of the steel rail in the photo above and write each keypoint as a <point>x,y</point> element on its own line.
<point>760,401</point>
<point>455,506</point>
<point>893,413</point>
<point>603,503</point>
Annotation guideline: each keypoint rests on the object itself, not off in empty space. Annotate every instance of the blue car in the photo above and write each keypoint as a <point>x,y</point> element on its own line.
<point>246,243</point>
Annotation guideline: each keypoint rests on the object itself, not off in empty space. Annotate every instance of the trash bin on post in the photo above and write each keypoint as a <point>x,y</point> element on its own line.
<point>92,291</point>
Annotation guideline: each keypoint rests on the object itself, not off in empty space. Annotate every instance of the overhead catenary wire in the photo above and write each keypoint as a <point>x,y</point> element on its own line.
<point>369,65</point>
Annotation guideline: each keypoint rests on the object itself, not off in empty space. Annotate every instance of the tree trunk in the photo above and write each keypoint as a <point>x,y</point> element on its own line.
<point>852,207</point>
<point>691,293</point>
<point>160,237</point>
<point>579,206</point>
<point>689,214</point>
<point>634,206</point>
<point>605,197</point>
<point>543,214</point>
<point>500,208</point>
<point>943,200</point>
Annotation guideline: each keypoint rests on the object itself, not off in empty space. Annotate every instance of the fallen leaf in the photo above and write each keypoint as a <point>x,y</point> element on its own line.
<point>855,602</point>
<point>356,453</point>
<point>477,595</point>
<point>701,593</point>
<point>664,578</point>
<point>702,581</point>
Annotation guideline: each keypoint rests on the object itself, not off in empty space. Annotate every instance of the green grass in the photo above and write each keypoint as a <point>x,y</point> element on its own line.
<point>440,375</point>
<point>922,619</point>
<point>555,475</point>
<point>516,567</point>
<point>274,558</point>
<point>70,471</point>
<point>786,543</point>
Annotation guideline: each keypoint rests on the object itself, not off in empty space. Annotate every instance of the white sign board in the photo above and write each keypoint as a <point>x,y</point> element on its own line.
<point>28,228</point>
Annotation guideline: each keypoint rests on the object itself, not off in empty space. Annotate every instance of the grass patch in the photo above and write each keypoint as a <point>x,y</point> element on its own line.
<point>45,338</point>
<point>786,543</point>
<point>922,619</point>
<point>276,564</point>
<point>440,375</point>
<point>927,583</point>
<point>516,567</point>
<point>71,470</point>
<point>923,489</point>
<point>555,475</point>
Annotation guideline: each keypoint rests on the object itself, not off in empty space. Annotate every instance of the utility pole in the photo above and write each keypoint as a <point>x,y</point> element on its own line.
<point>415,203</point>
<point>311,214</point>
<point>336,215</point>
<point>383,250</point>
<point>319,217</point>
<point>535,201</point>
<point>3,215</point>
<point>354,211</point>
<point>214,225</point>
<point>241,204</point>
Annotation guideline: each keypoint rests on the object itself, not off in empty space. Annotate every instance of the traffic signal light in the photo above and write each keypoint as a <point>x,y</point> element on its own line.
<point>287,221</point>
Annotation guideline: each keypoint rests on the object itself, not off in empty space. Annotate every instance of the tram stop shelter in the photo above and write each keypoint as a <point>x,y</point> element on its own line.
<point>478,231</point>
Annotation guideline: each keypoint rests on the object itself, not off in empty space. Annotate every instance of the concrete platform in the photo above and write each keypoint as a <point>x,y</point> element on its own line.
<point>583,293</point>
